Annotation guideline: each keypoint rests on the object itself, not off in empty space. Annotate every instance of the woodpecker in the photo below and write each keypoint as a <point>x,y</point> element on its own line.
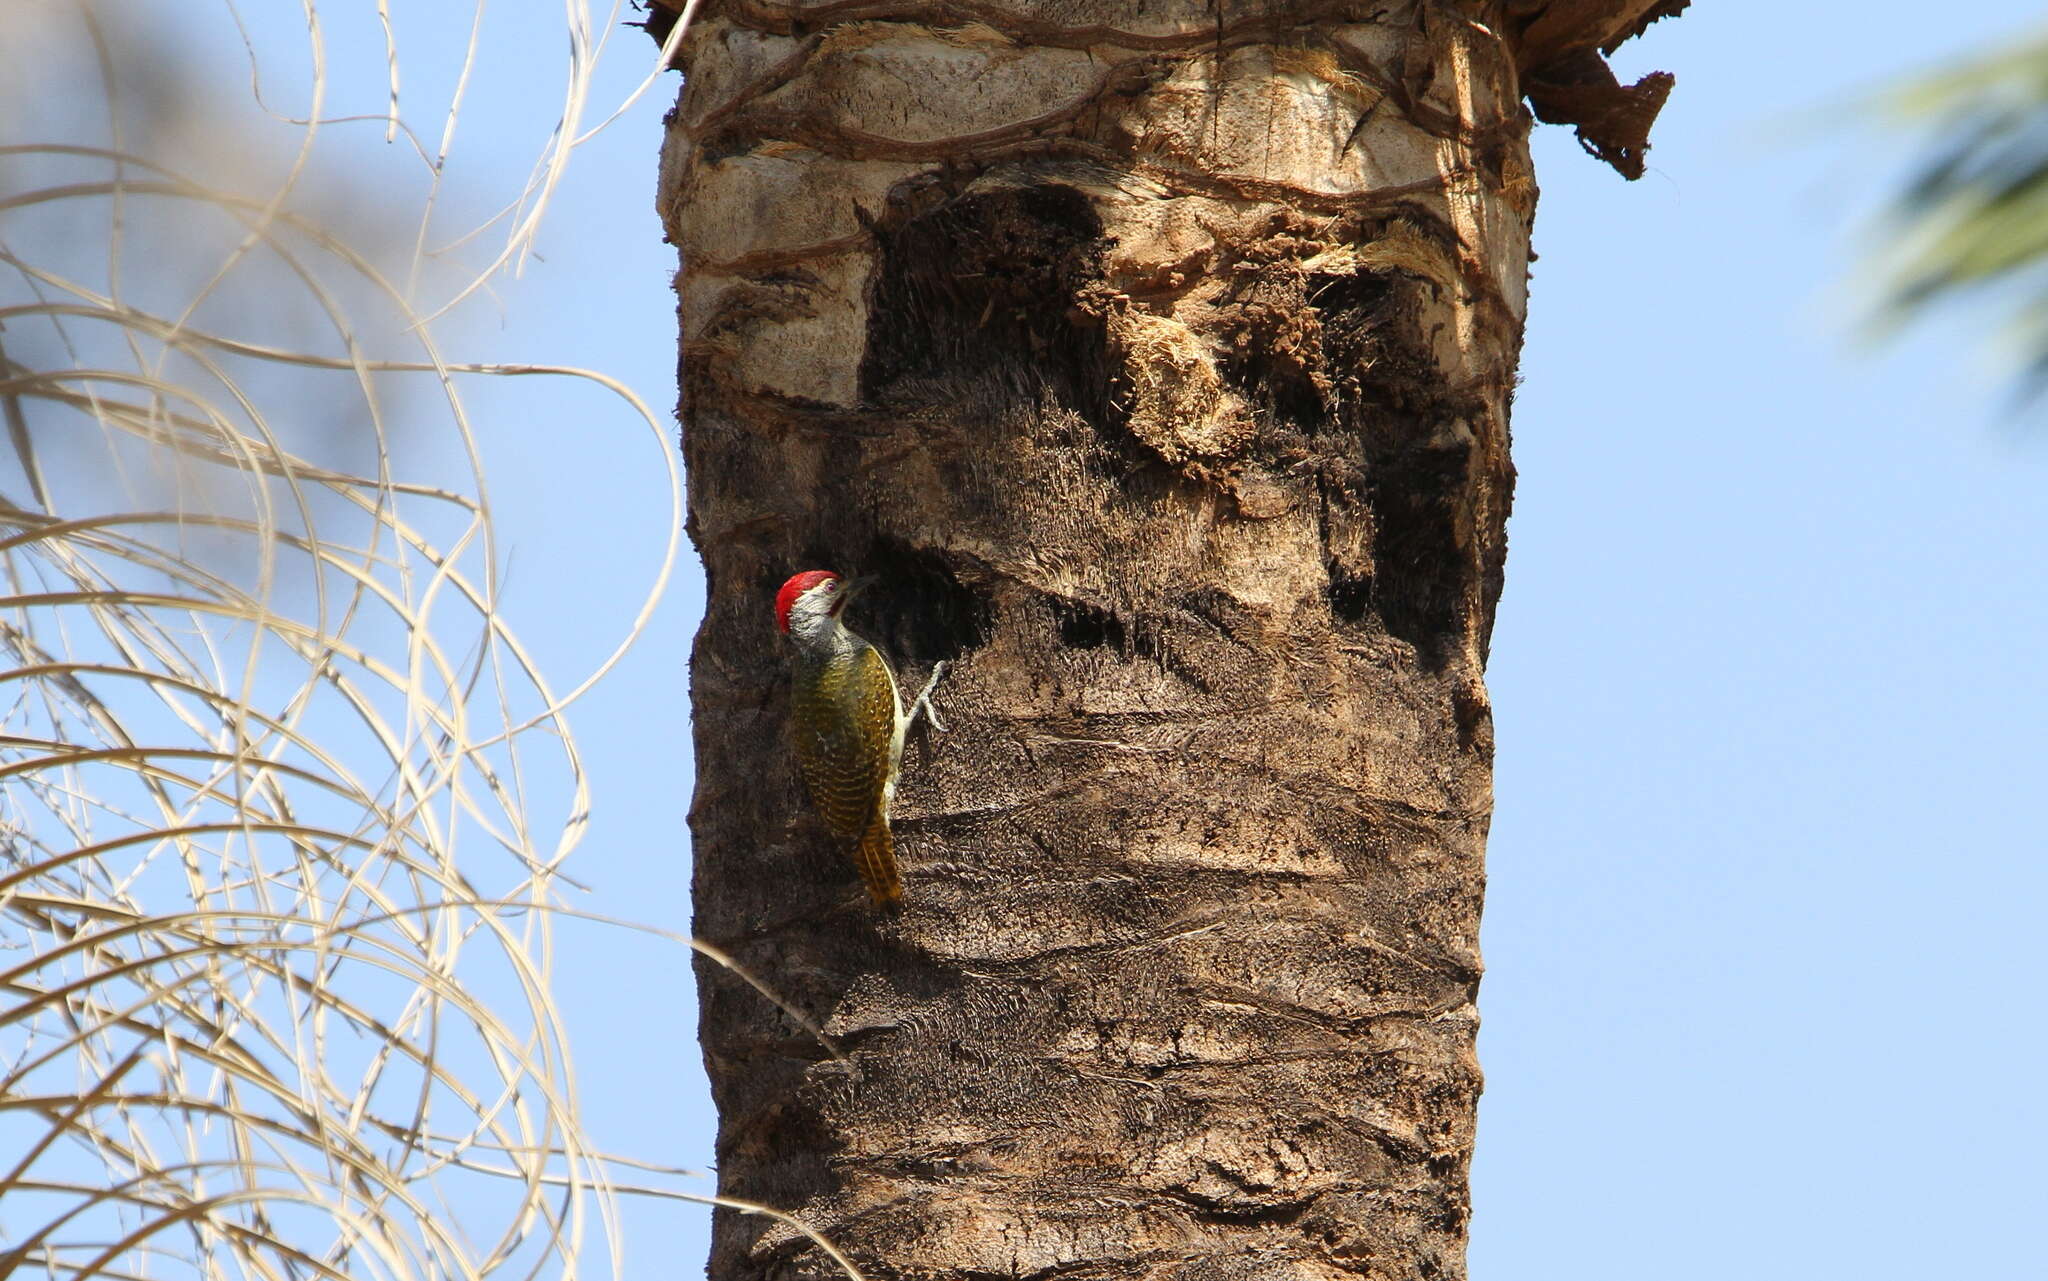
<point>849,723</point>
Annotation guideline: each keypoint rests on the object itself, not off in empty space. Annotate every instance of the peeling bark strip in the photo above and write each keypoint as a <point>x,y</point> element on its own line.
<point>1561,43</point>
<point>1157,357</point>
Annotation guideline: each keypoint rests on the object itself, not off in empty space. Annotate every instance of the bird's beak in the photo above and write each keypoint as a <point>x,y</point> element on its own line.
<point>848,588</point>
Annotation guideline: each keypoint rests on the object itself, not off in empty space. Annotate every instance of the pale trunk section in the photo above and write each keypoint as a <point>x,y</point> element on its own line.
<point>1157,358</point>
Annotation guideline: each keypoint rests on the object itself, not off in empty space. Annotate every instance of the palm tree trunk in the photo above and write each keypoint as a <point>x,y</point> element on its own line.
<point>1157,357</point>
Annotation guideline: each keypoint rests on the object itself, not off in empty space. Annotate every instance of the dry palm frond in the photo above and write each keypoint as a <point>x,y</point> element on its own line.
<point>283,801</point>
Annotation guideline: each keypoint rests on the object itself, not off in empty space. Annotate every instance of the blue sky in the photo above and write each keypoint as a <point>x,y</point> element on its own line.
<point>1764,878</point>
<point>1767,677</point>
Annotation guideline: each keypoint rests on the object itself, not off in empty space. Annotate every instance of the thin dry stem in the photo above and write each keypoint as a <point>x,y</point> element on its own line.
<point>284,802</point>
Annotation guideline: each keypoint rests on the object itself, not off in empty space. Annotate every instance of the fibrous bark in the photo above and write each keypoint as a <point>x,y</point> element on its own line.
<point>1157,358</point>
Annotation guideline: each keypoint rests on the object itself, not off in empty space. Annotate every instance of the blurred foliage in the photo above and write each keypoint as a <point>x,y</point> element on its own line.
<point>1972,216</point>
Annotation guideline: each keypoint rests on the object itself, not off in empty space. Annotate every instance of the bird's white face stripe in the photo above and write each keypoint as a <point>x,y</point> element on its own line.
<point>810,614</point>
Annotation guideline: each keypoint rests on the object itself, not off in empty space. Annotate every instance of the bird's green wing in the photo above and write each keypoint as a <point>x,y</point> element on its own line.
<point>843,725</point>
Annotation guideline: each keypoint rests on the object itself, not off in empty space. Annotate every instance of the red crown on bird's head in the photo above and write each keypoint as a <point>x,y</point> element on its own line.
<point>797,585</point>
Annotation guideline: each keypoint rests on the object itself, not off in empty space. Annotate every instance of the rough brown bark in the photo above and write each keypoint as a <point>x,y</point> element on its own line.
<point>1157,357</point>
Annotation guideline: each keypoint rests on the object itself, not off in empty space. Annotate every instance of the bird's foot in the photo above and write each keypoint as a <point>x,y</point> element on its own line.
<point>922,704</point>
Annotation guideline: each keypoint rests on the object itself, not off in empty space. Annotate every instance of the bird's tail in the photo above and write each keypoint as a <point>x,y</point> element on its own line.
<point>876,858</point>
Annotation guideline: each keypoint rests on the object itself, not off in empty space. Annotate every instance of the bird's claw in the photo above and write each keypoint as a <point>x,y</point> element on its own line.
<point>923,702</point>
